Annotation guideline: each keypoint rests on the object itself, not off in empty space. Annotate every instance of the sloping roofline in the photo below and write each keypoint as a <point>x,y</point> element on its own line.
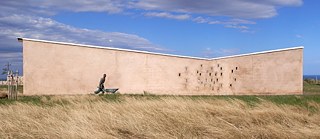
<point>146,52</point>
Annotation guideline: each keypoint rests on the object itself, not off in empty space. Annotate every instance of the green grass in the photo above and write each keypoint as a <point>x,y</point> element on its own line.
<point>303,101</point>
<point>295,100</point>
<point>308,89</point>
<point>5,87</point>
<point>311,88</point>
<point>35,100</point>
<point>311,94</point>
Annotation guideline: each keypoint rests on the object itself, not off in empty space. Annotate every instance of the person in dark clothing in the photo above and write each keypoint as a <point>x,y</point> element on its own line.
<point>101,85</point>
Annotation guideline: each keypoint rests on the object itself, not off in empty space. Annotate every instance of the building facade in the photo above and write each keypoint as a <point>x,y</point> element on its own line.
<point>56,68</point>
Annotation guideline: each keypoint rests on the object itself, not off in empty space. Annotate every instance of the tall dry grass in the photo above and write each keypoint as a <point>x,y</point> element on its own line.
<point>166,117</point>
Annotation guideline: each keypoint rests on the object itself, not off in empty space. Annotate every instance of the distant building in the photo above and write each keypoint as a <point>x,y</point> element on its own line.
<point>65,68</point>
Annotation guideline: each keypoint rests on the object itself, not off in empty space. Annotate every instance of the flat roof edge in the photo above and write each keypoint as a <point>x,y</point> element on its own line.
<point>261,52</point>
<point>147,52</point>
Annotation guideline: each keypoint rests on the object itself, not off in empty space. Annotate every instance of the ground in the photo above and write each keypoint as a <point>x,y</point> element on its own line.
<point>311,88</point>
<point>151,116</point>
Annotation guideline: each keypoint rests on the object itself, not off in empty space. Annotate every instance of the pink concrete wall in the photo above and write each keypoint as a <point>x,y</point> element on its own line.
<point>269,73</point>
<point>56,68</point>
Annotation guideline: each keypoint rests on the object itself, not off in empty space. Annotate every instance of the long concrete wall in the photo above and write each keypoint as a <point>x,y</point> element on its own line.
<point>59,68</point>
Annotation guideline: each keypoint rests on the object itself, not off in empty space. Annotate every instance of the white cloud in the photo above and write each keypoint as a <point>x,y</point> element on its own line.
<point>15,59</point>
<point>231,8</point>
<point>200,19</point>
<point>236,23</point>
<point>48,29</point>
<point>280,2</point>
<point>177,9</point>
<point>168,15</point>
<point>231,22</point>
<point>51,7</point>
<point>299,36</point>
<point>209,52</point>
<point>237,27</point>
<point>10,55</point>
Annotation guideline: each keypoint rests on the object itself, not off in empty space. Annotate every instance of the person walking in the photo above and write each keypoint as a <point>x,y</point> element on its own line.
<point>101,85</point>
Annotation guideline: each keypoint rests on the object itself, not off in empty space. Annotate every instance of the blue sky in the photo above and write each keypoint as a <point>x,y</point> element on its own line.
<point>202,28</point>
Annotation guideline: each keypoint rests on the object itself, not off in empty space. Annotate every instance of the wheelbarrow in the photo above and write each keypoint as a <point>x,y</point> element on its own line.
<point>111,90</point>
<point>107,90</point>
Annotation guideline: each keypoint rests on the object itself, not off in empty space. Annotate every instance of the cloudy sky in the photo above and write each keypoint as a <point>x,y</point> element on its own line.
<point>202,28</point>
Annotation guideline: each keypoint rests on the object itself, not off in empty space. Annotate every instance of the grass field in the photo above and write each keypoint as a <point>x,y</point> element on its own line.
<point>308,88</point>
<point>151,116</point>
<point>311,88</point>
